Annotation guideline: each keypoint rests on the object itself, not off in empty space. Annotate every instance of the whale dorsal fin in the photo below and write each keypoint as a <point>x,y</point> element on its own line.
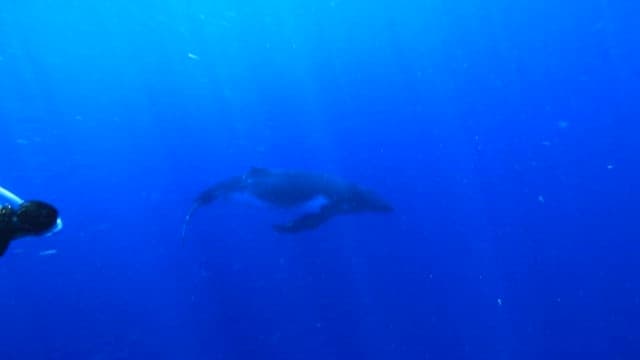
<point>258,171</point>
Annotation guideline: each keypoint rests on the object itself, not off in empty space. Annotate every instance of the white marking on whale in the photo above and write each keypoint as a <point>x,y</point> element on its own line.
<point>312,205</point>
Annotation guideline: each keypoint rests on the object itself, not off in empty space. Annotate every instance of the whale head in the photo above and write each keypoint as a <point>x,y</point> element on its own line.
<point>363,200</point>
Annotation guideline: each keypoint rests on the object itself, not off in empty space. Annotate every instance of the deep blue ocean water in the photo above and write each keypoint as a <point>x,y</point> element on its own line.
<point>503,132</point>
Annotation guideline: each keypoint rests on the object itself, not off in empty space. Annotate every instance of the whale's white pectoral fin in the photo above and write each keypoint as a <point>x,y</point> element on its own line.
<point>315,205</point>
<point>305,222</point>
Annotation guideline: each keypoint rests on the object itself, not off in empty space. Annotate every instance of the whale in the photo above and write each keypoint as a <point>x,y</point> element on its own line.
<point>314,197</point>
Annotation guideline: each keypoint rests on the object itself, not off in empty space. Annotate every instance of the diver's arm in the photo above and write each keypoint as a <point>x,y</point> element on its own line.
<point>10,197</point>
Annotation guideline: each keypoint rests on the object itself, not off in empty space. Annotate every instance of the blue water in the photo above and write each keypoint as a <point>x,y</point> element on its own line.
<point>503,133</point>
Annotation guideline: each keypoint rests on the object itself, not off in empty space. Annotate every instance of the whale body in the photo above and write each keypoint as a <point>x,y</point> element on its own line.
<point>316,197</point>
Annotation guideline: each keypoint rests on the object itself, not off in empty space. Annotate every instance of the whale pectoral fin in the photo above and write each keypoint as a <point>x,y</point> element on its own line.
<point>305,222</point>
<point>258,171</point>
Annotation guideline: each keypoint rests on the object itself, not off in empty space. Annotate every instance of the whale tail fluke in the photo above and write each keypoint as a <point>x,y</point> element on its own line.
<point>187,220</point>
<point>210,195</point>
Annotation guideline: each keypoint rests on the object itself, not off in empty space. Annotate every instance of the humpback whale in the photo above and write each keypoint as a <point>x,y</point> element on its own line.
<point>318,197</point>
